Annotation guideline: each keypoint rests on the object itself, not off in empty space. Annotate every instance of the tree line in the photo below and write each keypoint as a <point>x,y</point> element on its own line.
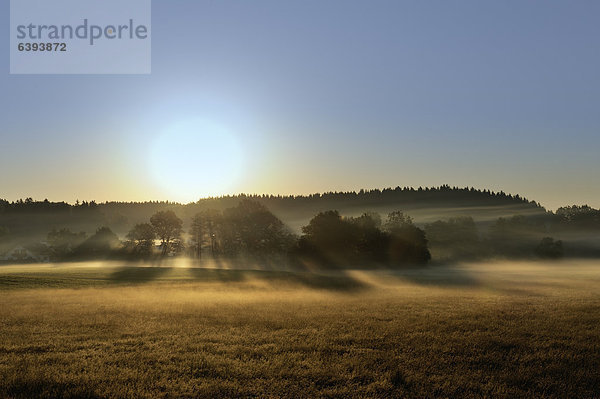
<point>398,195</point>
<point>29,219</point>
<point>250,229</point>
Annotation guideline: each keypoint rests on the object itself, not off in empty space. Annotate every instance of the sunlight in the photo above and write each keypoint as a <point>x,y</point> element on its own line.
<point>194,159</point>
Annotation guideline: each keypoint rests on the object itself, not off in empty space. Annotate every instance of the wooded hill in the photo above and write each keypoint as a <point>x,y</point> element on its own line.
<point>35,218</point>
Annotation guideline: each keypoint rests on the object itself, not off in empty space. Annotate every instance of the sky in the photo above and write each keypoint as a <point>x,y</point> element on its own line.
<point>309,96</point>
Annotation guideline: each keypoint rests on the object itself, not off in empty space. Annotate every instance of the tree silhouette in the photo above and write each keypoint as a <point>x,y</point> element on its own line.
<point>251,228</point>
<point>455,238</point>
<point>197,233</point>
<point>101,244</point>
<point>213,220</point>
<point>141,238</point>
<point>330,236</point>
<point>207,226</point>
<point>408,242</point>
<point>579,217</point>
<point>63,242</point>
<point>372,243</point>
<point>516,236</point>
<point>167,227</point>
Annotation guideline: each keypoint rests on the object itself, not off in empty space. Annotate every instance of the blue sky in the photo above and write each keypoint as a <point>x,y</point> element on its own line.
<point>320,96</point>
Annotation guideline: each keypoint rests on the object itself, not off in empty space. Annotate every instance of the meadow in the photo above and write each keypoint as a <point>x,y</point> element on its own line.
<point>109,330</point>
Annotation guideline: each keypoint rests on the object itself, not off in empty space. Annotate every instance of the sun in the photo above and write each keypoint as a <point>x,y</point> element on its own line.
<point>194,159</point>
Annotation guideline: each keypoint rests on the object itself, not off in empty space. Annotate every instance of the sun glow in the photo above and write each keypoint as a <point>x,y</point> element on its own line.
<point>194,159</point>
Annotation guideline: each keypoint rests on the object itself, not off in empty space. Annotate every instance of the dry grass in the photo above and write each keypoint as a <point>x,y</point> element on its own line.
<point>495,330</point>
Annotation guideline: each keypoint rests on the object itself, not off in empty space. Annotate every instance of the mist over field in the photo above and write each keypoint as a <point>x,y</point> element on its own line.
<point>497,329</point>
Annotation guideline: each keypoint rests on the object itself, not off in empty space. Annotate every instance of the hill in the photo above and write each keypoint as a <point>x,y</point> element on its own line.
<point>35,218</point>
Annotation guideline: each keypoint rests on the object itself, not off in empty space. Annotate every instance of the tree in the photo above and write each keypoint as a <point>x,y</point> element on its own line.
<point>141,238</point>
<point>398,221</point>
<point>368,220</point>
<point>62,242</point>
<point>329,235</point>
<point>336,239</point>
<point>102,243</point>
<point>516,236</point>
<point>208,227</point>
<point>213,220</point>
<point>372,243</point>
<point>251,228</point>
<point>167,227</point>
<point>197,233</point>
<point>454,238</point>
<point>582,217</point>
<point>408,243</point>
<point>360,239</point>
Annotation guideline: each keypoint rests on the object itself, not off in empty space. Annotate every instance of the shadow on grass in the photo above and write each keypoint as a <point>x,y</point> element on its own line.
<point>337,281</point>
<point>439,275</point>
<point>298,274</point>
<point>222,275</point>
<point>135,274</point>
<point>333,282</point>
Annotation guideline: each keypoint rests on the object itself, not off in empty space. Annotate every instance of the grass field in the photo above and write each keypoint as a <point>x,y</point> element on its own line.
<point>498,330</point>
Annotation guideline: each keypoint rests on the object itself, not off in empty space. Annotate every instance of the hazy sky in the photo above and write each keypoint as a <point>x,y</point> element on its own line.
<point>312,95</point>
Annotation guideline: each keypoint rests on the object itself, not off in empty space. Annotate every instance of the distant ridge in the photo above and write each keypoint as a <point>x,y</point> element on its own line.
<point>26,217</point>
<point>443,194</point>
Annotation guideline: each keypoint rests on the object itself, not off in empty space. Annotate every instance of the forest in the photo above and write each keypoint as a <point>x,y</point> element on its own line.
<point>373,228</point>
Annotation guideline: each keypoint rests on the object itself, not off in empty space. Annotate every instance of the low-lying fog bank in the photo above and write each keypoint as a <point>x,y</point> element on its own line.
<point>502,276</point>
